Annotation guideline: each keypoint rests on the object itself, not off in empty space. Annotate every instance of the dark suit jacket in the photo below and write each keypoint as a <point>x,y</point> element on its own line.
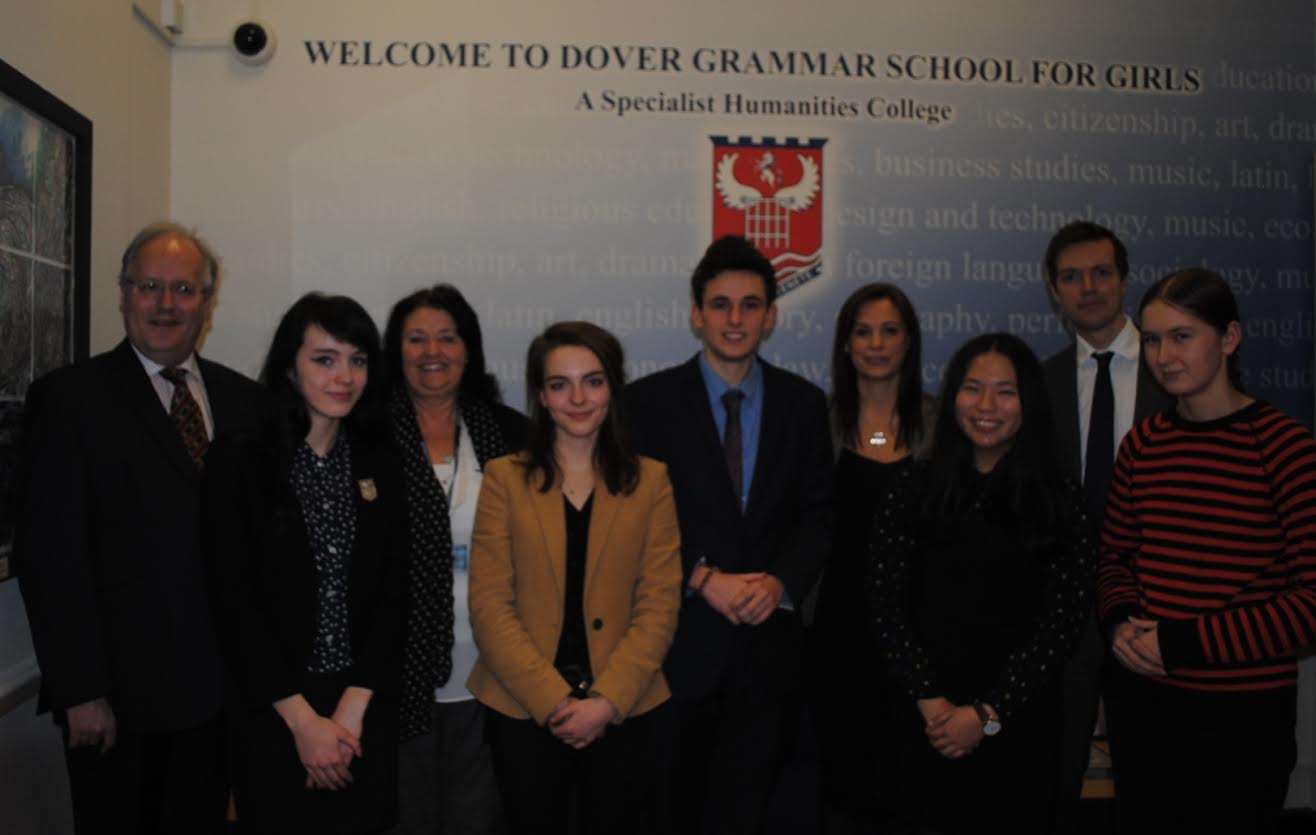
<point>786,527</point>
<point>1061,372</point>
<point>264,576</point>
<point>107,549</point>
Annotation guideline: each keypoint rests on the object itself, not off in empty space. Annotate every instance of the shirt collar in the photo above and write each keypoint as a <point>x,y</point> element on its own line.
<point>716,386</point>
<point>337,456</point>
<point>153,368</point>
<point>1126,344</point>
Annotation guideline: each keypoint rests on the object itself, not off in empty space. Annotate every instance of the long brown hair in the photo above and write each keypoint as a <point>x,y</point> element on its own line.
<point>845,380</point>
<point>614,455</point>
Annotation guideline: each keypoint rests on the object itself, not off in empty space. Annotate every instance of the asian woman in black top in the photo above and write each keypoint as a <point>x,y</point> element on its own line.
<point>981,579</point>
<point>303,532</point>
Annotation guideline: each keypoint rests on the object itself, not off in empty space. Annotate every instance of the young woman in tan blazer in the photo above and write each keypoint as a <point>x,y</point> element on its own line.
<point>574,592</point>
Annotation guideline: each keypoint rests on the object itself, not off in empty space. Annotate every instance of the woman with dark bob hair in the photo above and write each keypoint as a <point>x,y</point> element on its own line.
<point>1207,584</point>
<point>300,530</point>
<point>575,587</point>
<point>981,574</point>
<point>879,413</point>
<point>447,423</point>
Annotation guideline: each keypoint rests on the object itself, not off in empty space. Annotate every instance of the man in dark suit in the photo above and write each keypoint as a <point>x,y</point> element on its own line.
<point>749,455</point>
<point>108,550</point>
<point>1098,381</point>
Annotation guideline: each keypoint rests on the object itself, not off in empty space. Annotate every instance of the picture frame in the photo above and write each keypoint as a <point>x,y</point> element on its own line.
<point>45,259</point>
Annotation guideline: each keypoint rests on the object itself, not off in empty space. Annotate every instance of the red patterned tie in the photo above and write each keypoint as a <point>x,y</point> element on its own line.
<point>186,413</point>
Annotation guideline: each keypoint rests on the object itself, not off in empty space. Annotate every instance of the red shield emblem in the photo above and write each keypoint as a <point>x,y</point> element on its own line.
<point>771,192</point>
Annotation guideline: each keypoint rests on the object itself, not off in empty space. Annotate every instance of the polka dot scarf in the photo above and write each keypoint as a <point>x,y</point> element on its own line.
<point>427,656</point>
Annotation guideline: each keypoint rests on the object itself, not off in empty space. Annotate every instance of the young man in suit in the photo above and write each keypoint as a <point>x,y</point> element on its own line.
<point>108,551</point>
<point>749,455</point>
<point>1098,381</point>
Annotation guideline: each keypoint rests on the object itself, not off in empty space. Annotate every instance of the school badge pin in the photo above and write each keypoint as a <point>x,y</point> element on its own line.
<point>771,192</point>
<point>368,490</point>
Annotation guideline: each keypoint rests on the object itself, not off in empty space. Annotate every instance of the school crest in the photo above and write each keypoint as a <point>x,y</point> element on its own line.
<point>771,192</point>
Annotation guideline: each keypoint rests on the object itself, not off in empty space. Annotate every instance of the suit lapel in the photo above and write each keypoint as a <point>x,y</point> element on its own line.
<point>701,411</point>
<point>1071,438</point>
<point>548,509</point>
<point>370,520</point>
<point>140,395</point>
<point>601,519</point>
<point>221,413</point>
<point>771,425</point>
<point>363,484</point>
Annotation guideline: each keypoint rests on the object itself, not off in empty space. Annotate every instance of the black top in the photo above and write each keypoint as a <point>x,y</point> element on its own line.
<point>854,715</point>
<point>264,576</point>
<point>861,485</point>
<point>982,607</point>
<point>572,659</point>
<point>324,490</point>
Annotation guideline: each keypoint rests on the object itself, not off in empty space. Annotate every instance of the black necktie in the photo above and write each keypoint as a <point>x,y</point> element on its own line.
<point>731,440</point>
<point>1100,461</point>
<point>186,413</point>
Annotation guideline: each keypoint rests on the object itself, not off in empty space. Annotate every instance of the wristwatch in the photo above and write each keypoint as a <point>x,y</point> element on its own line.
<point>991,726</point>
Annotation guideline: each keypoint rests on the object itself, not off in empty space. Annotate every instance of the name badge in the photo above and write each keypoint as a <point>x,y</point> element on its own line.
<point>368,490</point>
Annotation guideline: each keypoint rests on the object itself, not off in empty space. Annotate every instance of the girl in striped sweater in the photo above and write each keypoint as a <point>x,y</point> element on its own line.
<point>1207,583</point>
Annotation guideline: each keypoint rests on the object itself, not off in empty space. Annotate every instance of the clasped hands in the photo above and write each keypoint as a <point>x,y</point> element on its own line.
<point>954,730</point>
<point>580,722</point>
<point>327,744</point>
<point>1137,645</point>
<point>741,598</point>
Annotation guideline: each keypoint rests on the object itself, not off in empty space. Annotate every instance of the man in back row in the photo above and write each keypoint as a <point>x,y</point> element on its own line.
<point>108,554</point>
<point>1099,388</point>
<point>748,451</point>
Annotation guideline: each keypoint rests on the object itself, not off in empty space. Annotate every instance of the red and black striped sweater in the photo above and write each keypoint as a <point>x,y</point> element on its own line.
<point>1211,530</point>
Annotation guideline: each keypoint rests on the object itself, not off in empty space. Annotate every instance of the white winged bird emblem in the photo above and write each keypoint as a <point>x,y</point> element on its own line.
<point>738,195</point>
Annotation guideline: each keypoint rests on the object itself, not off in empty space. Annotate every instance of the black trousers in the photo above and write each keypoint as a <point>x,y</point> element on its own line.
<point>151,782</point>
<point>1190,761</point>
<point>1080,699</point>
<point>730,745</point>
<point>446,783</point>
<point>612,786</point>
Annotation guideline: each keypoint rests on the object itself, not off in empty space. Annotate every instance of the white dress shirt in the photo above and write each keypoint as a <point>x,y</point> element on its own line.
<point>165,389</point>
<point>460,479</point>
<point>1127,348</point>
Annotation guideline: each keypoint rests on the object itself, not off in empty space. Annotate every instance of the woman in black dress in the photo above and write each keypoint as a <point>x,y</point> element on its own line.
<point>982,574</point>
<point>305,538</point>
<point>878,412</point>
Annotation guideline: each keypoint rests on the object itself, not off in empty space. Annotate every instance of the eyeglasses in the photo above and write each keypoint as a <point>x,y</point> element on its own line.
<point>152,289</point>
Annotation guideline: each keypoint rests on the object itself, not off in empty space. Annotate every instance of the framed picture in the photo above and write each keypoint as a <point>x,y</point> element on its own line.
<point>45,255</point>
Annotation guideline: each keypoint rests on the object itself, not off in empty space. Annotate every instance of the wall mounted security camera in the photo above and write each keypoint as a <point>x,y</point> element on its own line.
<point>254,42</point>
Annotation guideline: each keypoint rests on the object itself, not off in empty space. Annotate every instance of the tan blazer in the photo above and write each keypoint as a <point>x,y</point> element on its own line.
<point>517,591</point>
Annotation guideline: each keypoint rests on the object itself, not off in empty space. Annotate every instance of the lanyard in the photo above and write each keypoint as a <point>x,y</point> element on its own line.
<point>451,483</point>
